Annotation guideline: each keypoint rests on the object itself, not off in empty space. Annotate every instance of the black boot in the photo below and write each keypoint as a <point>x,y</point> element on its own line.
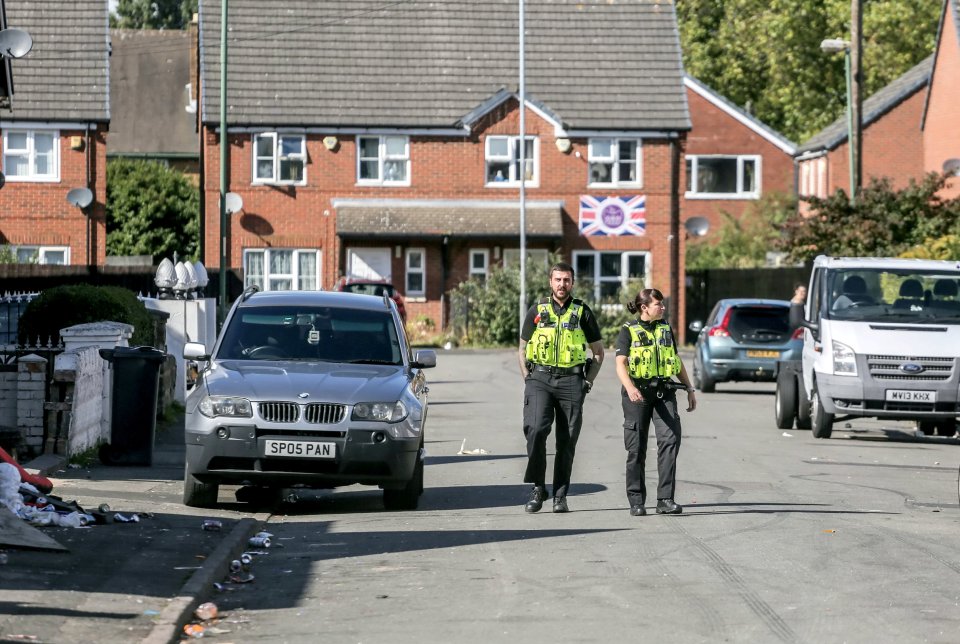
<point>537,497</point>
<point>667,506</point>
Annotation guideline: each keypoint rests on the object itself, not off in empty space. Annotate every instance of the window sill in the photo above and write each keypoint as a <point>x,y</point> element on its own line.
<point>512,184</point>
<point>746,196</point>
<point>615,186</point>
<point>383,184</point>
<point>278,183</point>
<point>31,179</point>
<point>419,299</point>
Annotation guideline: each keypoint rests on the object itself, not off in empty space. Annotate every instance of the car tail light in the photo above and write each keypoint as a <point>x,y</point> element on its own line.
<point>798,333</point>
<point>720,331</point>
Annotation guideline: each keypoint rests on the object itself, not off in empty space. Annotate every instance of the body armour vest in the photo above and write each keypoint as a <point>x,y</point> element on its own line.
<point>558,341</point>
<point>652,354</point>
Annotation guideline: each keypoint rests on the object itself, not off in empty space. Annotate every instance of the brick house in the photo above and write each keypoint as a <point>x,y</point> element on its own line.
<point>732,158</point>
<point>378,140</point>
<point>892,145</point>
<point>53,138</point>
<point>941,110</point>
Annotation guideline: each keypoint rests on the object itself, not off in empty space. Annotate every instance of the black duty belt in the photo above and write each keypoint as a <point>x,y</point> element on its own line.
<point>558,370</point>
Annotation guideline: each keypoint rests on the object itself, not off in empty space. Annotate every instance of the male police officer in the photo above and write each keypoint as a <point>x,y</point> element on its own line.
<point>557,376</point>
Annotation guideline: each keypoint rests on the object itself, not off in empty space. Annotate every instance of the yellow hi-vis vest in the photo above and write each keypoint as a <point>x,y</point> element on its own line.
<point>558,341</point>
<point>652,355</point>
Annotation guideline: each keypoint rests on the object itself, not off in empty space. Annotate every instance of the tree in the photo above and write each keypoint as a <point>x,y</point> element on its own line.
<point>765,54</point>
<point>883,223</point>
<point>743,242</point>
<point>153,14</point>
<point>151,210</point>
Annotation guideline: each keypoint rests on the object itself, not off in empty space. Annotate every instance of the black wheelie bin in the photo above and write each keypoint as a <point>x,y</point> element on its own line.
<point>133,423</point>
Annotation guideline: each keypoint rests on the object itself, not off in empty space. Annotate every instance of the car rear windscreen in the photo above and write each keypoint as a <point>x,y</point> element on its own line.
<point>759,324</point>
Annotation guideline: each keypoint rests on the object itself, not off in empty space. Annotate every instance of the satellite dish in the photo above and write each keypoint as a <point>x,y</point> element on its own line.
<point>15,43</point>
<point>950,166</point>
<point>80,197</point>
<point>232,203</point>
<point>697,226</point>
<point>3,180</point>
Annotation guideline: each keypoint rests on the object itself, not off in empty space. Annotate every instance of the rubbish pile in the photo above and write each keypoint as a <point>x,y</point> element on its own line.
<point>43,509</point>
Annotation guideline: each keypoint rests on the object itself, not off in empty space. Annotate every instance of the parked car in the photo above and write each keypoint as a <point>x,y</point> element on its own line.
<point>378,288</point>
<point>742,340</point>
<point>309,388</point>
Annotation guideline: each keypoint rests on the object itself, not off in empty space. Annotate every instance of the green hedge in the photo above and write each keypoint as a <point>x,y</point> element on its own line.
<point>63,306</point>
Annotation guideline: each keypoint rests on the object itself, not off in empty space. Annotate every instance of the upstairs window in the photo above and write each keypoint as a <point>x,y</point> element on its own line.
<point>279,158</point>
<point>723,177</point>
<point>503,161</point>
<point>383,160</point>
<point>614,162</point>
<point>30,155</point>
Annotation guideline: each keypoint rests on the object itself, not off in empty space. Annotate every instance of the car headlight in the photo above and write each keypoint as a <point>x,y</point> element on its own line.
<point>387,412</point>
<point>844,360</point>
<point>214,406</point>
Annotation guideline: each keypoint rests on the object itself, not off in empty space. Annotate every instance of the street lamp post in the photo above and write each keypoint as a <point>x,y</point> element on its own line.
<point>835,46</point>
<point>523,171</point>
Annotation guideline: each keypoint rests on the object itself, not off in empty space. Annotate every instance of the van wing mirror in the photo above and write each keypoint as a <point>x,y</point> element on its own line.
<point>696,326</point>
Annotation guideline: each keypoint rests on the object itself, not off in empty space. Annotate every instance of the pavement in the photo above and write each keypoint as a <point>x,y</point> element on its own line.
<point>122,582</point>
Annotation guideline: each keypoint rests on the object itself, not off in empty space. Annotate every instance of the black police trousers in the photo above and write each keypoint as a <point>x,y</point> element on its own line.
<point>636,428</point>
<point>547,396</point>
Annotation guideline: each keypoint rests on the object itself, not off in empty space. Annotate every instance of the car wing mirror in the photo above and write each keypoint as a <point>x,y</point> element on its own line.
<point>195,351</point>
<point>424,359</point>
<point>696,326</point>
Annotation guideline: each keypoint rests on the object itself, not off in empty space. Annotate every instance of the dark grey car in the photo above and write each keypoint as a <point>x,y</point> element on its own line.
<point>317,389</point>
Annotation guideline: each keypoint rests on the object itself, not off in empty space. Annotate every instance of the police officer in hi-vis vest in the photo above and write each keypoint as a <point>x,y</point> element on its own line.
<point>647,360</point>
<point>557,376</point>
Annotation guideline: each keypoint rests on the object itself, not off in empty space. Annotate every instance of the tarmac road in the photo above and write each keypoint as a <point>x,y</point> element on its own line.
<point>784,538</point>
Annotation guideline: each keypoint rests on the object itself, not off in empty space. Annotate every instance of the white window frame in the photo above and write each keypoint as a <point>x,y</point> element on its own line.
<point>40,252</point>
<point>512,159</point>
<point>420,270</point>
<point>30,153</point>
<point>276,158</point>
<point>623,278</point>
<point>479,272</point>
<point>693,160</point>
<point>614,159</point>
<point>294,277</point>
<point>382,158</point>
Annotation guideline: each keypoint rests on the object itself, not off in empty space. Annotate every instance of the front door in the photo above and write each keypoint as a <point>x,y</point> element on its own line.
<point>369,264</point>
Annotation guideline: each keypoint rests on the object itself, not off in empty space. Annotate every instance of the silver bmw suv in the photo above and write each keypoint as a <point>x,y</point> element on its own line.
<point>308,388</point>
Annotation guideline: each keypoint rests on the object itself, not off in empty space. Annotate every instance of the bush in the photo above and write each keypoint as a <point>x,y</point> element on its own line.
<point>487,313</point>
<point>63,306</point>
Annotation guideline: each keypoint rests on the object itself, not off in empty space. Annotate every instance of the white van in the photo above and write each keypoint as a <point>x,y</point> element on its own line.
<point>881,340</point>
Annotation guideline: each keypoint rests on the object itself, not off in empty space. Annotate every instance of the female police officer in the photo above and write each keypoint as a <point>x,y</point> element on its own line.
<point>647,358</point>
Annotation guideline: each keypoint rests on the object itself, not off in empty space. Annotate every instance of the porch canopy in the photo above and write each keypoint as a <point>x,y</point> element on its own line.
<point>397,218</point>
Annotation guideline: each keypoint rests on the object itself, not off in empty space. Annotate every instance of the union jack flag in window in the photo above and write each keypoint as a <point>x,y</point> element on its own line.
<point>613,215</point>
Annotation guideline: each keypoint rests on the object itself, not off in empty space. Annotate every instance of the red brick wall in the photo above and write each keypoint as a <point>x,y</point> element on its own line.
<point>37,214</point>
<point>892,148</point>
<point>941,134</point>
<point>440,168</point>
<point>716,132</point>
